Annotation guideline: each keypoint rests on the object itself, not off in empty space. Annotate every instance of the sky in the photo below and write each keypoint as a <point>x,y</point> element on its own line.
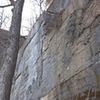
<point>30,14</point>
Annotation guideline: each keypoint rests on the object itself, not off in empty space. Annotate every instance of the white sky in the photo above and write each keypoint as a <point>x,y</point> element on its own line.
<point>30,12</point>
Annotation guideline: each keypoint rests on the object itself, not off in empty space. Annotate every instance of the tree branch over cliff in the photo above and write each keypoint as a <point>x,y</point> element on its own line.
<point>12,3</point>
<point>5,6</point>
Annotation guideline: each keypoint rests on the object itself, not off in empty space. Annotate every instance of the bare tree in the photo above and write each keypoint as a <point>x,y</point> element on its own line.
<point>27,27</point>
<point>40,4</point>
<point>3,19</point>
<point>9,63</point>
<point>37,8</point>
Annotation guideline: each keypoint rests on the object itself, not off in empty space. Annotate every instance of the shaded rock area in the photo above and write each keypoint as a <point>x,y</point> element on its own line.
<point>60,59</point>
<point>4,43</point>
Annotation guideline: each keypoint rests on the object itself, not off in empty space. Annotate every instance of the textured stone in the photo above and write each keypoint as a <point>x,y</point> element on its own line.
<point>62,63</point>
<point>4,43</point>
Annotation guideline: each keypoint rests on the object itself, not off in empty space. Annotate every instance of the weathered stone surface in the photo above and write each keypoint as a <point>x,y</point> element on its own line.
<point>64,62</point>
<point>4,43</point>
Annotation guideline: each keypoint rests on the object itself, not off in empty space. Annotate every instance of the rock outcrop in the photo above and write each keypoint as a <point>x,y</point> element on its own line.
<point>60,59</point>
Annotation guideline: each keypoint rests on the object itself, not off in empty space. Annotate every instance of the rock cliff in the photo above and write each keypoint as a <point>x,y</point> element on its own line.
<point>60,59</point>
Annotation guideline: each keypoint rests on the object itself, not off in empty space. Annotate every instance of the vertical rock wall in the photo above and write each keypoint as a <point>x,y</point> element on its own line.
<point>60,60</point>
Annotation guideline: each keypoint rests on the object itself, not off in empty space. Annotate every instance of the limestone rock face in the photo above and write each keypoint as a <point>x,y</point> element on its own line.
<point>60,59</point>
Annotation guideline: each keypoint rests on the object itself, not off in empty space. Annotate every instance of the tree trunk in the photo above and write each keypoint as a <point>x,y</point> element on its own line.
<point>9,64</point>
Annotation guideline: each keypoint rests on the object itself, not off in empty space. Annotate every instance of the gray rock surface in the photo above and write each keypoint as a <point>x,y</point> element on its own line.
<point>4,43</point>
<point>60,59</point>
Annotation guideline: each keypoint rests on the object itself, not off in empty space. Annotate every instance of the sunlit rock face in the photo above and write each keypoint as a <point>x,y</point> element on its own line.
<point>60,59</point>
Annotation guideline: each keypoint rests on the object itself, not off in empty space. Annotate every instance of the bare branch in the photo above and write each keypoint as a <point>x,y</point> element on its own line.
<point>12,2</point>
<point>5,6</point>
<point>3,19</point>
